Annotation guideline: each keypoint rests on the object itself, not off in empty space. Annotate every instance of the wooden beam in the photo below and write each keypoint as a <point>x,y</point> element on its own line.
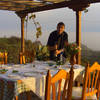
<point>78,35</point>
<point>93,1</point>
<point>36,6</point>
<point>59,5</point>
<point>79,7</point>
<point>44,8</point>
<point>18,5</point>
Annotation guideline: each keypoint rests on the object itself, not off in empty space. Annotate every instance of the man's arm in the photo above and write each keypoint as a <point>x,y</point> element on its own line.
<point>56,50</point>
<point>65,39</point>
<point>52,47</point>
<point>51,42</point>
<point>66,43</point>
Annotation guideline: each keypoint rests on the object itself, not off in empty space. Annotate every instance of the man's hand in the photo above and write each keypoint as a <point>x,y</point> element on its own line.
<point>59,51</point>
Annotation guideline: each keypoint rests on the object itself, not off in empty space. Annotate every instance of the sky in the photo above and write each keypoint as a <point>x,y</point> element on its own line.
<point>90,25</point>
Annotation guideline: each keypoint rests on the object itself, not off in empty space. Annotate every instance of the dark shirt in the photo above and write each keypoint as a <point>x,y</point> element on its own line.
<point>56,39</point>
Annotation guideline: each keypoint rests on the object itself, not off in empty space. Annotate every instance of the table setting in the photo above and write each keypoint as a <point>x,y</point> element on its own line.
<point>33,75</point>
<point>36,67</point>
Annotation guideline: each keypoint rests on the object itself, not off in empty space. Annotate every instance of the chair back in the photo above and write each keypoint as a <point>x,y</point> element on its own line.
<point>26,55</point>
<point>3,58</point>
<point>59,78</point>
<point>91,80</point>
<point>22,58</point>
<point>1,88</point>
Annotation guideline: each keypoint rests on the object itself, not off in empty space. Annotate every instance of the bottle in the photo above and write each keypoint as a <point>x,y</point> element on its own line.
<point>61,58</point>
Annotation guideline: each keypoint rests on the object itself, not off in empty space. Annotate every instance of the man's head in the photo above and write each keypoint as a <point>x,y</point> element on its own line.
<point>60,27</point>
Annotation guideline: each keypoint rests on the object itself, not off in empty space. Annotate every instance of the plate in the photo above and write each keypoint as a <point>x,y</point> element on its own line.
<point>31,74</point>
<point>3,71</point>
<point>14,76</point>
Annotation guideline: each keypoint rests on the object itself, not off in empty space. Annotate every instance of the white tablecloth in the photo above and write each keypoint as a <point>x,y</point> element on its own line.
<point>33,75</point>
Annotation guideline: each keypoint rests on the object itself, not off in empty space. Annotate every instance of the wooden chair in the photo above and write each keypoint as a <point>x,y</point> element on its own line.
<point>3,58</point>
<point>51,81</point>
<point>1,88</point>
<point>90,85</point>
<point>26,55</point>
<point>22,58</point>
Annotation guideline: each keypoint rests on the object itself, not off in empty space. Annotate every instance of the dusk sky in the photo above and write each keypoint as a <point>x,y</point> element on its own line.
<point>10,24</point>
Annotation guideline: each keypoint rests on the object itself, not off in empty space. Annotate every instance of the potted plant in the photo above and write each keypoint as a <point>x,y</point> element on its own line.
<point>71,50</point>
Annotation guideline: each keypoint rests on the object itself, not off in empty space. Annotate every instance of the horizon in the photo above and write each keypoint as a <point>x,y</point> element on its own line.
<point>85,41</point>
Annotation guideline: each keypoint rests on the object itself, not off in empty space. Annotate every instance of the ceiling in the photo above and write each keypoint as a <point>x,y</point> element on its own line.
<point>28,6</point>
<point>18,5</point>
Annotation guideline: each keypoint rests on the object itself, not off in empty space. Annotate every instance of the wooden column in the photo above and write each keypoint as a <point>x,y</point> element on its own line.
<point>78,35</point>
<point>21,56</point>
<point>22,17</point>
<point>22,35</point>
<point>78,8</point>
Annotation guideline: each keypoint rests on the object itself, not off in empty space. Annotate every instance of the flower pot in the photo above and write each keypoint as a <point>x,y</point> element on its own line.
<point>73,59</point>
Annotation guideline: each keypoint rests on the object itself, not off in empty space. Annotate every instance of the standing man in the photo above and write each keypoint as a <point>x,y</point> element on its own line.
<point>56,41</point>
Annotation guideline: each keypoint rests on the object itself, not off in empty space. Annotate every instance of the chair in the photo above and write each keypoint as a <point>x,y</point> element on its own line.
<point>90,85</point>
<point>1,88</point>
<point>52,81</point>
<point>27,55</point>
<point>3,58</point>
<point>22,58</point>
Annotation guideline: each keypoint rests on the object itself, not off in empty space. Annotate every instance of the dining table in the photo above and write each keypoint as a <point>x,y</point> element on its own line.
<point>16,79</point>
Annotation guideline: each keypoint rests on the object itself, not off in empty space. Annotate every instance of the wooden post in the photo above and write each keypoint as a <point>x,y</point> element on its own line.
<point>22,16</point>
<point>78,8</point>
<point>22,35</point>
<point>78,35</point>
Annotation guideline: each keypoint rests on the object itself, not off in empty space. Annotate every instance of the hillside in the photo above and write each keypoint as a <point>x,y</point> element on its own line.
<point>12,46</point>
<point>90,55</point>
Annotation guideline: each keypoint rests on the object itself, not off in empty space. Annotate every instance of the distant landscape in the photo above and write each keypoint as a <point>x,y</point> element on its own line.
<point>89,55</point>
<point>12,46</point>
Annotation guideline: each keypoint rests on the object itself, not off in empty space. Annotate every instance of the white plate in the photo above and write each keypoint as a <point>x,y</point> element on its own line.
<point>14,76</point>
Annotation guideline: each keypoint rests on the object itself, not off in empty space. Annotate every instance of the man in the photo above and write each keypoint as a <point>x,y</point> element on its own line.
<point>56,41</point>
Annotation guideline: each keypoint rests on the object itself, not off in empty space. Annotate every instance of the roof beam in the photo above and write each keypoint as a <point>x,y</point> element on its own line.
<point>58,5</point>
<point>46,7</point>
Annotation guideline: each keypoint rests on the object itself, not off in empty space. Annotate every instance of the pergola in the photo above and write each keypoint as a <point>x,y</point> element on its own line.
<point>23,7</point>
